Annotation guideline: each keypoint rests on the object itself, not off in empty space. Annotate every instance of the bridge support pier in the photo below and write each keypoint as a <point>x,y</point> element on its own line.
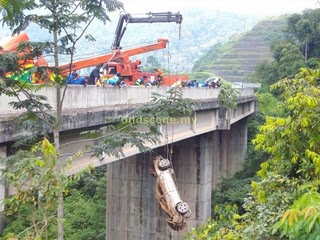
<point>229,151</point>
<point>132,209</point>
<point>199,162</point>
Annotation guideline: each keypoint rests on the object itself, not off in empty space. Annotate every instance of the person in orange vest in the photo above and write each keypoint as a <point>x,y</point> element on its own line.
<point>159,76</point>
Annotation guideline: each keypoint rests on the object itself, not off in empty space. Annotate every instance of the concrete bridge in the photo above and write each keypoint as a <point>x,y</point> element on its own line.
<point>205,147</point>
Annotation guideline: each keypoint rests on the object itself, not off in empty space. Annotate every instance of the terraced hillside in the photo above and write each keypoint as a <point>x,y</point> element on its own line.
<point>238,58</point>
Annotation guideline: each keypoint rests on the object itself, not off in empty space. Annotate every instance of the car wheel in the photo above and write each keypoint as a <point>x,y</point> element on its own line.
<point>164,164</point>
<point>182,207</point>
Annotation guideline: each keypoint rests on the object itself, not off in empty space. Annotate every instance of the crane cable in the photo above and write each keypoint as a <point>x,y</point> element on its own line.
<point>171,149</point>
<point>178,50</point>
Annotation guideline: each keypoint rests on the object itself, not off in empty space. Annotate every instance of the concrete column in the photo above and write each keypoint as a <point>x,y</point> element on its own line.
<point>229,151</point>
<point>3,153</point>
<point>131,206</point>
<point>132,210</point>
<point>193,168</point>
<point>238,145</point>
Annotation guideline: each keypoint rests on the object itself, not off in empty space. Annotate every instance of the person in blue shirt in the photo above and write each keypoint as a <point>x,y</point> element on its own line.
<point>74,78</point>
<point>192,83</point>
<point>115,80</point>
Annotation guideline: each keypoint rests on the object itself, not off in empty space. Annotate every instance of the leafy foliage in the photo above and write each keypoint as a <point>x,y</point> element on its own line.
<point>37,184</point>
<point>291,172</point>
<point>218,227</point>
<point>269,105</point>
<point>62,19</point>
<point>231,191</point>
<point>283,202</point>
<point>228,96</point>
<point>62,15</point>
<point>304,29</point>
<point>85,207</point>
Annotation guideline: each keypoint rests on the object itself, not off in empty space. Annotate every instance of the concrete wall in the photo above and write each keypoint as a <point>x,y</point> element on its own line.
<point>79,97</point>
<point>80,112</point>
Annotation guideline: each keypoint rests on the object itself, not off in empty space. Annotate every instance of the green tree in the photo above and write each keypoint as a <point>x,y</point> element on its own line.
<point>292,22</point>
<point>284,201</point>
<point>295,154</point>
<point>290,172</point>
<point>304,32</point>
<point>85,207</point>
<point>37,187</point>
<point>67,21</point>
<point>289,59</point>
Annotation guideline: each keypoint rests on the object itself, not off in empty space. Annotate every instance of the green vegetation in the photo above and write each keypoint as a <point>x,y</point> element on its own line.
<point>38,184</point>
<point>283,197</point>
<point>67,23</point>
<point>85,207</point>
<point>228,96</point>
<point>275,196</point>
<point>280,198</point>
<point>84,204</point>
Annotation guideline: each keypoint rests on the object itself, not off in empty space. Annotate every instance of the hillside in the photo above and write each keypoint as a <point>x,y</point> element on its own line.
<point>204,36</point>
<point>236,60</point>
<point>199,30</point>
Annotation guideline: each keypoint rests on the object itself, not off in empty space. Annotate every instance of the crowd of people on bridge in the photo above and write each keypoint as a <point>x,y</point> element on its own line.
<point>210,83</point>
<point>97,78</point>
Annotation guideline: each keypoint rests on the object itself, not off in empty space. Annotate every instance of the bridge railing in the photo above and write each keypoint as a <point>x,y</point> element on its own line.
<point>79,97</point>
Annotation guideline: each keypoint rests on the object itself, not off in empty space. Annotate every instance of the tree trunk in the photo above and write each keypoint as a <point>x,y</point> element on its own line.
<point>306,51</point>
<point>56,137</point>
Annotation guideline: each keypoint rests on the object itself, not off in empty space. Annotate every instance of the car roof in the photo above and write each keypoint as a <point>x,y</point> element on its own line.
<point>212,78</point>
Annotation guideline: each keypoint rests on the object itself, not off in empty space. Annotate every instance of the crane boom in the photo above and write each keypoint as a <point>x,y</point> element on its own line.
<point>119,55</point>
<point>124,19</point>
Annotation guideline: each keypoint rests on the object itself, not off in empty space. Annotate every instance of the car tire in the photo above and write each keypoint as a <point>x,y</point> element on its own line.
<point>182,207</point>
<point>164,164</point>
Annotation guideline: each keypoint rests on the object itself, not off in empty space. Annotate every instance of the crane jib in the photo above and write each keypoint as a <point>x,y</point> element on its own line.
<point>160,17</point>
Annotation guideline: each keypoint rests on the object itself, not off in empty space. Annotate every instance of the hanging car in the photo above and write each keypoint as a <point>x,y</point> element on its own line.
<point>167,194</point>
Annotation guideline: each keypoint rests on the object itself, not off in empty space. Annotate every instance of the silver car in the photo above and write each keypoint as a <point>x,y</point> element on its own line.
<point>167,194</point>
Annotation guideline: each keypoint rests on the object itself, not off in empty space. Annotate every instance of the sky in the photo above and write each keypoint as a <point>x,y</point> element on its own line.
<point>251,7</point>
